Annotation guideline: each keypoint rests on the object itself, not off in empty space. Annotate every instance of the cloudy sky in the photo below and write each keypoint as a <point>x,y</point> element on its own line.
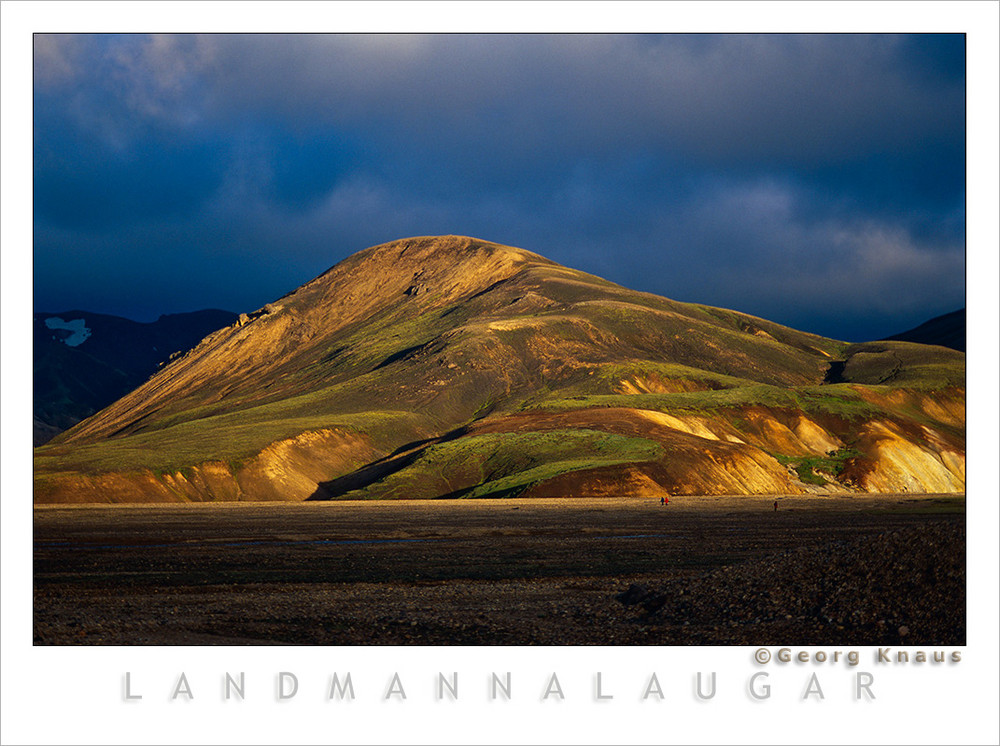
<point>818,181</point>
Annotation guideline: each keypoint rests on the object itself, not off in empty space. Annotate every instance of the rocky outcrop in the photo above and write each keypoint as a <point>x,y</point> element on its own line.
<point>288,470</point>
<point>894,463</point>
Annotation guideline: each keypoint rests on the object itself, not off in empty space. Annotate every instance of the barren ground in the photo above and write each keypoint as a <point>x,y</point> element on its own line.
<point>709,570</point>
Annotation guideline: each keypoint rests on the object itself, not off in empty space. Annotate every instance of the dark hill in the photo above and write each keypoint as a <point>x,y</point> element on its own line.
<point>946,331</point>
<point>84,361</point>
<point>451,366</point>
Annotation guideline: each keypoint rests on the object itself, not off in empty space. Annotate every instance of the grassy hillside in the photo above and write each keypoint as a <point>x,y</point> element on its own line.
<point>419,347</point>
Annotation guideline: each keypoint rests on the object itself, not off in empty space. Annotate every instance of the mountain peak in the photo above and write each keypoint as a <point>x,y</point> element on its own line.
<point>449,250</point>
<point>436,270</point>
<point>451,246</point>
<point>458,261</point>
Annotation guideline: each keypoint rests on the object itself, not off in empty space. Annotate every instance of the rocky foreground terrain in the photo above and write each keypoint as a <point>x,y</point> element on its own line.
<point>903,587</point>
<point>532,574</point>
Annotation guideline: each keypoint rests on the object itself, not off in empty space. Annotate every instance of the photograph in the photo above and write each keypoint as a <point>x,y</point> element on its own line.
<point>699,377</point>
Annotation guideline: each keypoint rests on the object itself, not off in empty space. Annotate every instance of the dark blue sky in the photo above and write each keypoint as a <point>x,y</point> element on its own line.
<point>818,181</point>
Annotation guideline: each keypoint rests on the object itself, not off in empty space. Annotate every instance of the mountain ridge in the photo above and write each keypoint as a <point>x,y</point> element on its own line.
<point>946,330</point>
<point>83,361</point>
<point>470,368</point>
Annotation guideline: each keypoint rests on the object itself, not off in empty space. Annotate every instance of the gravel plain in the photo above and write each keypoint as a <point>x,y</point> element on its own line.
<point>706,570</point>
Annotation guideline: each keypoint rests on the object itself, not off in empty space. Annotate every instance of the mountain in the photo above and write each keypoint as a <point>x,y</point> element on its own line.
<point>84,361</point>
<point>454,367</point>
<point>947,331</point>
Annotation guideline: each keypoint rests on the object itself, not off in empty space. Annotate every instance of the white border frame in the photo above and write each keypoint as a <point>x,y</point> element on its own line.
<point>74,695</point>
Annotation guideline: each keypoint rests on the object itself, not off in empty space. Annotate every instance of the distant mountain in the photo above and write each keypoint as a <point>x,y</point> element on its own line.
<point>947,331</point>
<point>84,361</point>
<point>454,367</point>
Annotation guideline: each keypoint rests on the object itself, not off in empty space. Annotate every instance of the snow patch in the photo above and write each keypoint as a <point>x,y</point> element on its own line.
<point>78,331</point>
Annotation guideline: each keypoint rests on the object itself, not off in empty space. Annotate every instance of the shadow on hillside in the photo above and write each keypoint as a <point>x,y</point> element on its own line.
<point>399,459</point>
<point>835,373</point>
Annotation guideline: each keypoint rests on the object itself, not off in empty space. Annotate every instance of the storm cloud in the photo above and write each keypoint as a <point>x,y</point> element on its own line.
<point>816,180</point>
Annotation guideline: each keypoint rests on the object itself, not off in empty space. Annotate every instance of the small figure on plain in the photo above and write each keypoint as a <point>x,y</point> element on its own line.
<point>775,506</point>
<point>662,499</point>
